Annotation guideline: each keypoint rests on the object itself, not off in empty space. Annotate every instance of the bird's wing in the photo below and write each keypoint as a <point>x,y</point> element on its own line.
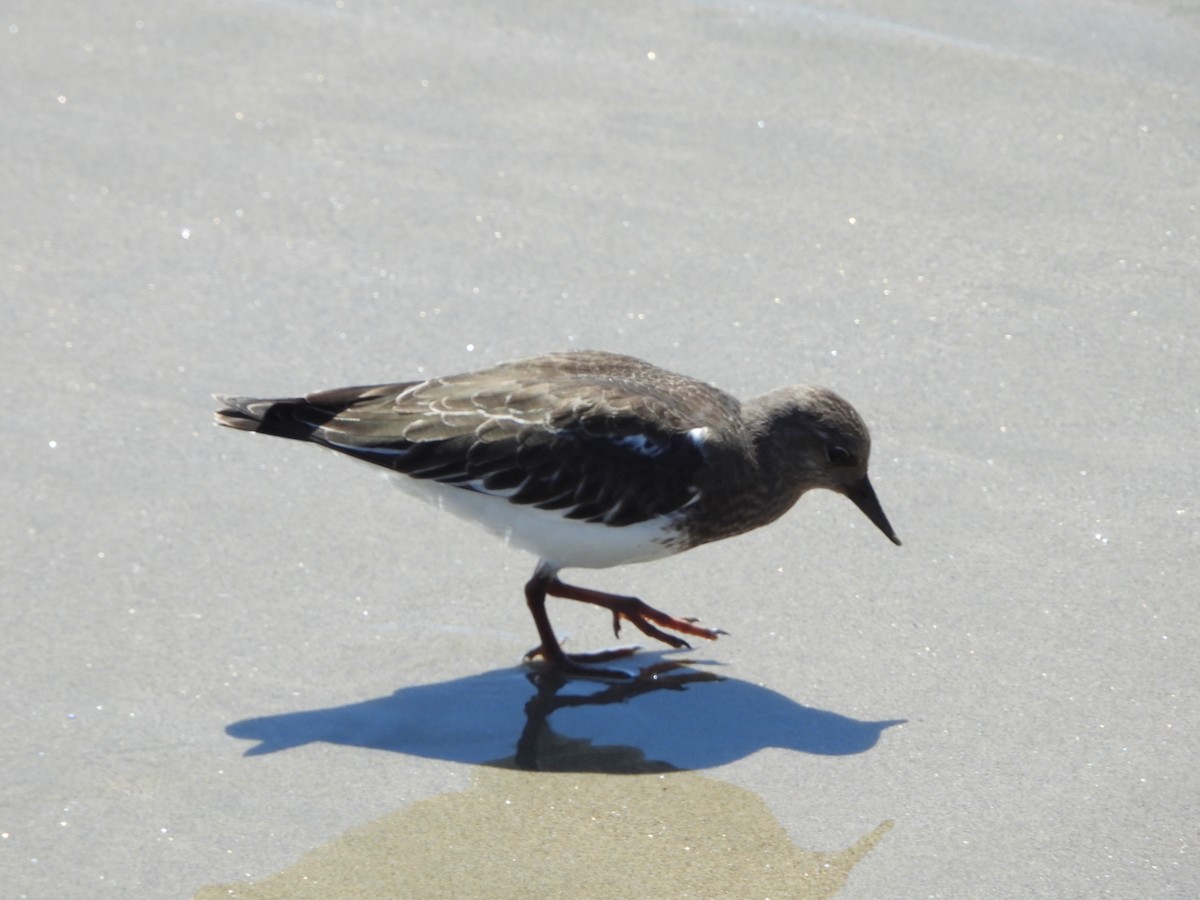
<point>609,447</point>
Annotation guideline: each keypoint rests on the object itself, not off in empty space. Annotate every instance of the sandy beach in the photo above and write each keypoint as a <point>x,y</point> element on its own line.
<point>236,666</point>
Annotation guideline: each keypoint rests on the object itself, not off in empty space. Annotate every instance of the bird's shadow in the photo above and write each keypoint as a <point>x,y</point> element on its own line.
<point>671,716</point>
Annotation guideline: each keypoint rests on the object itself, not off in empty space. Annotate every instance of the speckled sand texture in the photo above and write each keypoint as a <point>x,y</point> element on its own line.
<point>231,660</point>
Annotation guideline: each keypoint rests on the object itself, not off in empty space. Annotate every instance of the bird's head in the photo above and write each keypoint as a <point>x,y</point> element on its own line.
<point>821,441</point>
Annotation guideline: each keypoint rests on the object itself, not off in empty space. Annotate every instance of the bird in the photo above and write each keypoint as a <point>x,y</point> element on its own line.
<point>590,459</point>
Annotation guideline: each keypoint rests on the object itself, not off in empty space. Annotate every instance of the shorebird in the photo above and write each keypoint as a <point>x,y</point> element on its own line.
<point>590,459</point>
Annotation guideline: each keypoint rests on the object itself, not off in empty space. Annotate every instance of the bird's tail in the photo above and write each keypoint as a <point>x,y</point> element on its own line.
<point>292,417</point>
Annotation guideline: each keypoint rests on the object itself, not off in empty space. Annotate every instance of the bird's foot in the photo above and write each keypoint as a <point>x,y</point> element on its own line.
<point>585,664</point>
<point>641,615</point>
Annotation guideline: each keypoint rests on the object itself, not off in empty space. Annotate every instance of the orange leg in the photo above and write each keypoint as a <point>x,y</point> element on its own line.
<point>635,611</point>
<point>631,609</point>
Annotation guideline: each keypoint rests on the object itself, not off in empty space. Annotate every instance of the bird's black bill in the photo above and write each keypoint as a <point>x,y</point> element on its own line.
<point>863,496</point>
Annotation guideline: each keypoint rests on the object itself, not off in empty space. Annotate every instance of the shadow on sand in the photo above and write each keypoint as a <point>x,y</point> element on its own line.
<point>669,717</point>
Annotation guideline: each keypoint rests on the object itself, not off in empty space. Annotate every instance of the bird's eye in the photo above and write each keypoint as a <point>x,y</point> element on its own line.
<point>839,455</point>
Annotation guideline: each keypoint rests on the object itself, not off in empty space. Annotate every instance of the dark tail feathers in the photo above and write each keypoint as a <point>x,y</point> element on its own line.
<point>292,417</point>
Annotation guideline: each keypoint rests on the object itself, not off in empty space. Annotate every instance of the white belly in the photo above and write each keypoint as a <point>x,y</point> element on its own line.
<point>563,543</point>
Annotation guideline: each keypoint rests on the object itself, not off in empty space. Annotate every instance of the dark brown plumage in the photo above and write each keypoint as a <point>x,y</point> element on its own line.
<point>590,459</point>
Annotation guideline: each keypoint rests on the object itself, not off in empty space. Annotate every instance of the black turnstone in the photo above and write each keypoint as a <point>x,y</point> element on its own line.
<point>590,459</point>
